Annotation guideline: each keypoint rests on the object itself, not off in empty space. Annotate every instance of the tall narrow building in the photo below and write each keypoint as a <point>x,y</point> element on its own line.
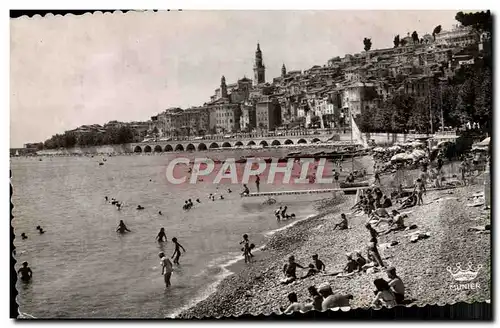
<point>283,70</point>
<point>259,69</point>
<point>223,87</point>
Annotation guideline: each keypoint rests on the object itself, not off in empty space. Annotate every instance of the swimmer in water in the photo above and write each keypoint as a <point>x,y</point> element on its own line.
<point>23,235</point>
<point>229,191</point>
<point>159,212</point>
<point>118,206</point>
<point>177,251</point>
<point>161,235</point>
<point>122,228</point>
<point>166,268</point>
<point>221,197</point>
<point>139,207</point>
<point>25,271</point>
<point>106,198</point>
<point>198,200</point>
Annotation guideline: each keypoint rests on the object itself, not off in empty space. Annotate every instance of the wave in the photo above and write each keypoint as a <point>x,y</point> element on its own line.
<point>225,272</point>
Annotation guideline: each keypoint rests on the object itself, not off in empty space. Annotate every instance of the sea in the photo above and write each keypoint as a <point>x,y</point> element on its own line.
<point>82,268</point>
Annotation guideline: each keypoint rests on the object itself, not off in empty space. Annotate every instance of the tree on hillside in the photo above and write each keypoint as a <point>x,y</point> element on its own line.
<point>480,21</point>
<point>396,41</point>
<point>414,37</point>
<point>402,42</point>
<point>436,31</point>
<point>368,44</point>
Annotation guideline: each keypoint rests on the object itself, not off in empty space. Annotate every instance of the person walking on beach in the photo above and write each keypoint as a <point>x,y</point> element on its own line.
<point>420,190</point>
<point>161,235</point>
<point>177,251</point>
<point>166,268</point>
<point>26,273</point>
<point>247,249</point>
<point>122,228</point>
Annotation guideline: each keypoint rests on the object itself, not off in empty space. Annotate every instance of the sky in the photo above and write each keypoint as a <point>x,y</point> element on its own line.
<point>66,71</point>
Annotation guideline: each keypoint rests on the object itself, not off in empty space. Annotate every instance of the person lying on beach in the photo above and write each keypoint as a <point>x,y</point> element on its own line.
<point>294,304</point>
<point>290,269</point>
<point>166,268</point>
<point>317,300</point>
<point>342,225</point>
<point>161,235</point>
<point>177,251</point>
<point>122,228</point>
<point>311,272</point>
<point>410,201</point>
<point>396,284</point>
<point>26,273</point>
<point>383,294</point>
<point>331,300</point>
<point>320,266</point>
<point>397,222</point>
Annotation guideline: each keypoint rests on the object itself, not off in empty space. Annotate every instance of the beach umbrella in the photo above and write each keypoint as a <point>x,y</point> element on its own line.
<point>401,157</point>
<point>418,154</point>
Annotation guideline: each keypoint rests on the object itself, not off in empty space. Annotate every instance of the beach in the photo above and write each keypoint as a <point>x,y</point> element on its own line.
<point>422,266</point>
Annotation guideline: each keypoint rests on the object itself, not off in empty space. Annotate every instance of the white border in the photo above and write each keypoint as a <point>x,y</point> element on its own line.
<point>192,4</point>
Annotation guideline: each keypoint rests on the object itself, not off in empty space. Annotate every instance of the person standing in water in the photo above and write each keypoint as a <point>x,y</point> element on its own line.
<point>177,251</point>
<point>161,235</point>
<point>257,183</point>
<point>166,268</point>
<point>26,273</point>
<point>122,228</point>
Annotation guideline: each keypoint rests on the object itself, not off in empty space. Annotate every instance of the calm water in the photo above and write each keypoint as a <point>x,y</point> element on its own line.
<point>83,268</point>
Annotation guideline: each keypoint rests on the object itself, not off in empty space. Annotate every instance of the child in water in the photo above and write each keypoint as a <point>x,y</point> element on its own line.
<point>166,268</point>
<point>247,250</point>
<point>26,273</point>
<point>161,235</point>
<point>122,228</point>
<point>177,251</point>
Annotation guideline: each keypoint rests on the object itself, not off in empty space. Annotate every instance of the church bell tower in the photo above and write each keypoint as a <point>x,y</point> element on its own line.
<point>259,69</point>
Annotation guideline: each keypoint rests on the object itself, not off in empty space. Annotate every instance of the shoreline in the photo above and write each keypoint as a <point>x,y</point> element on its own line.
<point>232,266</point>
<point>421,265</point>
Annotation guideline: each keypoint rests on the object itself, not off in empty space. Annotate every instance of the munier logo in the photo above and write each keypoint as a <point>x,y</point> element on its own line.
<point>464,275</point>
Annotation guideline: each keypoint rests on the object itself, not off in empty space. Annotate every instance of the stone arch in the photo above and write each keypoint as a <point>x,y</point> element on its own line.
<point>169,148</point>
<point>302,141</point>
<point>147,149</point>
<point>214,145</point>
<point>226,145</point>
<point>158,149</point>
<point>137,149</point>
<point>251,143</point>
<point>239,143</point>
<point>202,146</point>
<point>179,147</point>
<point>315,140</point>
<point>264,143</point>
<point>190,147</point>
<point>288,142</point>
<point>275,143</point>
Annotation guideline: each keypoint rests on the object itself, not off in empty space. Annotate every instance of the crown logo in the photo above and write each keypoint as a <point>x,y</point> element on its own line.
<point>464,275</point>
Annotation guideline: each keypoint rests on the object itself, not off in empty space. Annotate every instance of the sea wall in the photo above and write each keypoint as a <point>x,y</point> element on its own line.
<point>108,149</point>
<point>392,138</point>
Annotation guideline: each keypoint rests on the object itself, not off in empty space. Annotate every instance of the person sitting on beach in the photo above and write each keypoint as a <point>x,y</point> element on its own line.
<point>122,228</point>
<point>290,269</point>
<point>161,235</point>
<point>317,300</point>
<point>386,202</point>
<point>26,273</point>
<point>349,178</point>
<point>320,266</point>
<point>331,300</point>
<point>396,284</point>
<point>311,272</point>
<point>166,268</point>
<point>374,255</point>
<point>397,222</point>
<point>342,225</point>
<point>294,304</point>
<point>410,201</point>
<point>351,265</point>
<point>359,205</point>
<point>378,215</point>
<point>360,260</point>
<point>177,251</point>
<point>383,294</point>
